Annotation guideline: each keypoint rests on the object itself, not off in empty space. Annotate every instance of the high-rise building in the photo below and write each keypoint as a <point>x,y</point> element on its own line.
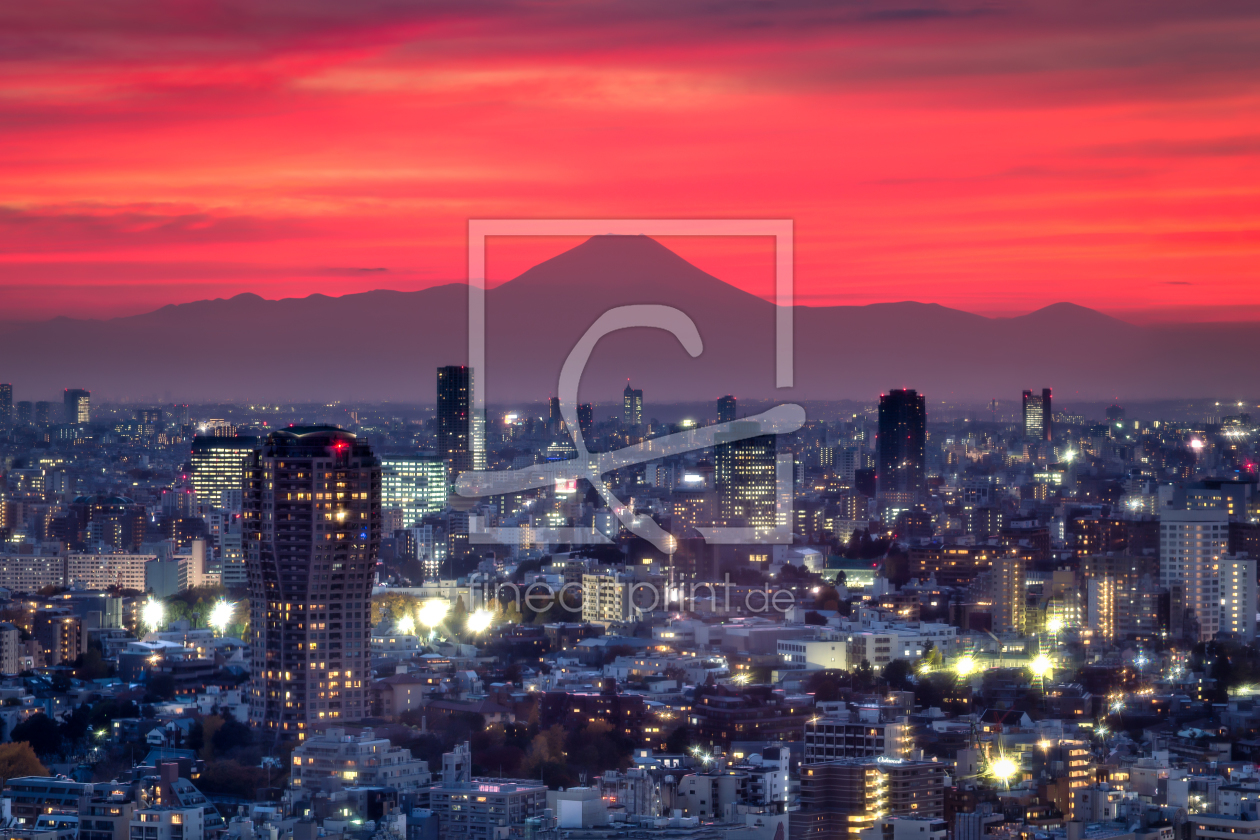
<point>1193,544</point>
<point>78,406</point>
<point>726,409</point>
<point>43,413</point>
<point>218,465</point>
<point>414,484</point>
<point>744,474</point>
<point>22,413</point>
<point>902,445</point>
<point>631,407</point>
<point>1238,598</point>
<point>1037,414</point>
<point>554,419</point>
<point>148,421</point>
<point>454,416</point>
<point>586,420</point>
<point>6,404</point>
<point>1009,593</point>
<point>312,527</point>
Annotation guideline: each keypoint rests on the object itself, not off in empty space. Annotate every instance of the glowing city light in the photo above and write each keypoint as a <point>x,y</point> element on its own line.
<point>1069,456</point>
<point>742,679</point>
<point>479,621</point>
<point>1054,625</point>
<point>153,615</point>
<point>1196,444</point>
<point>433,612</point>
<point>965,666</point>
<point>405,625</point>
<point>1041,665</point>
<point>1003,769</point>
<point>221,616</point>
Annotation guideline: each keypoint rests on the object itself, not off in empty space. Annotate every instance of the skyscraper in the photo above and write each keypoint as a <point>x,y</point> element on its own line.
<point>726,409</point>
<point>414,484</point>
<point>1037,414</point>
<point>78,406</point>
<point>218,465</point>
<point>454,416</point>
<point>631,407</point>
<point>902,444</point>
<point>1193,545</point>
<point>586,420</point>
<point>22,413</point>
<point>554,419</point>
<point>6,404</point>
<point>312,527</point>
<point>43,413</point>
<point>744,472</point>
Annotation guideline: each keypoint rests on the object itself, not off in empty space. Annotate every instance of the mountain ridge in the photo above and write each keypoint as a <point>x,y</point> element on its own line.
<point>385,344</point>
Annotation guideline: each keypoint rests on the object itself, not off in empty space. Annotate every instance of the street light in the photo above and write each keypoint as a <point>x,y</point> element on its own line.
<point>405,625</point>
<point>1003,769</point>
<point>433,612</point>
<point>965,666</point>
<point>153,615</point>
<point>479,621</point>
<point>221,616</point>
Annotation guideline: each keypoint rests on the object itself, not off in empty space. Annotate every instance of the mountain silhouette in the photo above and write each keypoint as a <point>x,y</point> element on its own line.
<point>385,345</point>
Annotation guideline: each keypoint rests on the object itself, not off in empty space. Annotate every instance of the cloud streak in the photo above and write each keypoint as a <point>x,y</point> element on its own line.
<point>984,155</point>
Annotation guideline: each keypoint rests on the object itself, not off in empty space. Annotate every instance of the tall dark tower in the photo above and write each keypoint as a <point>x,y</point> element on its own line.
<point>902,445</point>
<point>78,406</point>
<point>1037,416</point>
<point>6,404</point>
<point>312,527</point>
<point>586,420</point>
<point>454,416</point>
<point>726,409</point>
<point>632,407</point>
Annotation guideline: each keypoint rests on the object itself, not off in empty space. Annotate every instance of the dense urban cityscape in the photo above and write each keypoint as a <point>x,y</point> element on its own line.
<point>939,621</point>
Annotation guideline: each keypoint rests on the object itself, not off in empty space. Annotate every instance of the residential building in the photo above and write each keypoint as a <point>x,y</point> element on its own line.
<point>362,759</point>
<point>312,529</point>
<point>103,571</point>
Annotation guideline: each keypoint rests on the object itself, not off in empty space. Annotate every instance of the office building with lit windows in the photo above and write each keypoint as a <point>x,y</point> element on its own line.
<point>632,407</point>
<point>902,443</point>
<point>1037,422</point>
<point>6,404</point>
<point>414,484</point>
<point>218,465</point>
<point>744,474</point>
<point>312,528</point>
<point>461,432</point>
<point>78,406</point>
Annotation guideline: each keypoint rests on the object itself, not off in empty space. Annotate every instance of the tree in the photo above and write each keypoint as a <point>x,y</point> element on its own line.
<point>209,727</point>
<point>897,673</point>
<point>230,735</point>
<point>17,760</point>
<point>76,726</point>
<point>863,676</point>
<point>161,687</point>
<point>41,733</point>
<point>232,778</point>
<point>814,618</point>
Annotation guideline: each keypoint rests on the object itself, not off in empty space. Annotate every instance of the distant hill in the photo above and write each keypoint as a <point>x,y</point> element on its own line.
<point>385,345</point>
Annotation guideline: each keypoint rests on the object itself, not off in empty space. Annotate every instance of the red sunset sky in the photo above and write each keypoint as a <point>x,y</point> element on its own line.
<point>994,157</point>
